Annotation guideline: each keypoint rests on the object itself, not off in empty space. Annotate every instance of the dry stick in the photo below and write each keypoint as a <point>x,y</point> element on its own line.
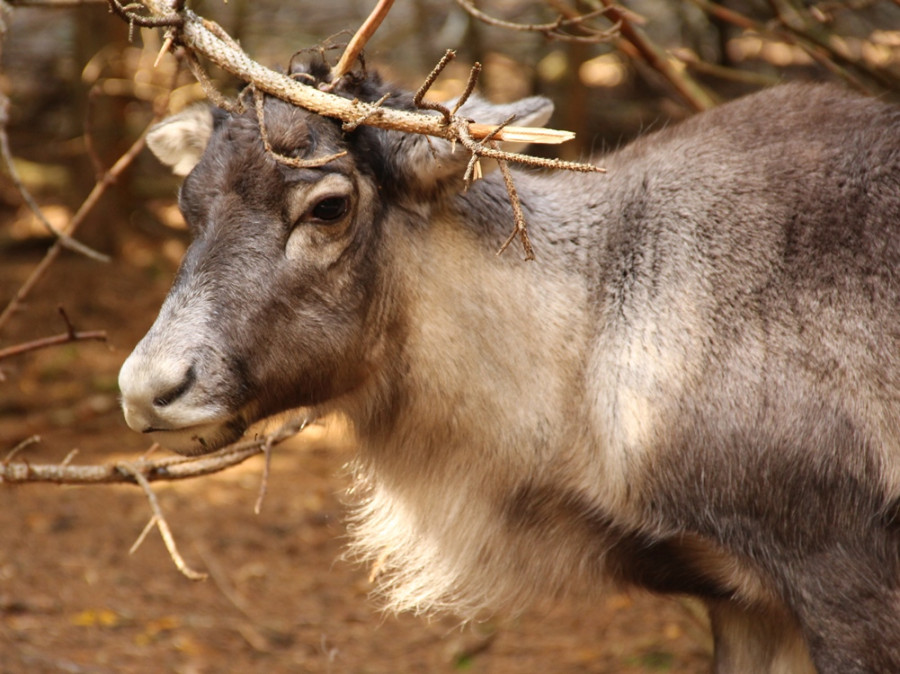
<point>519,216</point>
<point>419,97</point>
<point>62,238</point>
<point>474,72</point>
<point>691,91</point>
<point>213,94</point>
<point>141,472</point>
<point>550,30</point>
<point>259,102</point>
<point>71,335</point>
<point>27,442</point>
<point>55,340</point>
<point>264,482</point>
<point>161,524</point>
<point>167,468</point>
<point>359,40</point>
<point>196,34</point>
<point>99,188</point>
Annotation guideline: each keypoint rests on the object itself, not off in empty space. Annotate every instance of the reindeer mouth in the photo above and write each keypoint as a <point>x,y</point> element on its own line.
<point>201,438</point>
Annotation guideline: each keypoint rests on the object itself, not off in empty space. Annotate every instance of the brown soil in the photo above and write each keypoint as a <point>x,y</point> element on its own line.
<point>72,598</point>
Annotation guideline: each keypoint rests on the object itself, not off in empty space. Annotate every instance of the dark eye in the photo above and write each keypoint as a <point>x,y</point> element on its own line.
<point>330,209</point>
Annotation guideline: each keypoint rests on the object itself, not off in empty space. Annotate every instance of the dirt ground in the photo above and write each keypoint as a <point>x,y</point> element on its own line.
<point>72,598</point>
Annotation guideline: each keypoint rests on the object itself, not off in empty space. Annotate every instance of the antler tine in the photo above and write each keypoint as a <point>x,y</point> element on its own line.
<point>370,25</point>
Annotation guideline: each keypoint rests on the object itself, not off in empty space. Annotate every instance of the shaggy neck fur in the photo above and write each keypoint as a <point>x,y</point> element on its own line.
<point>460,393</point>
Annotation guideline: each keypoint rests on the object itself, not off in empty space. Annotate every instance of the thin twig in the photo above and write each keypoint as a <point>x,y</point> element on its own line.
<point>212,93</point>
<point>690,90</point>
<point>553,29</point>
<point>520,229</point>
<point>143,535</point>
<point>264,482</point>
<point>27,442</point>
<point>71,335</point>
<point>419,97</point>
<point>63,238</point>
<point>296,162</point>
<point>55,340</point>
<point>474,72</point>
<point>162,525</point>
<point>86,207</point>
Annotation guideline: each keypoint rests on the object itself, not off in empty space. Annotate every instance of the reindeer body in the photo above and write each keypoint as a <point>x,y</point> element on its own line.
<point>695,389</point>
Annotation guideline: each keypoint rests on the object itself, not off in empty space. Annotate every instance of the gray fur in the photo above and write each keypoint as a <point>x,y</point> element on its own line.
<point>695,389</point>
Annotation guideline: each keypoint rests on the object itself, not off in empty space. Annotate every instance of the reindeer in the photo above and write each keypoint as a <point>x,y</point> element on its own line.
<point>695,388</point>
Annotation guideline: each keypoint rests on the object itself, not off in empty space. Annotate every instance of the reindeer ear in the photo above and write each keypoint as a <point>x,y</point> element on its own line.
<point>430,161</point>
<point>180,140</point>
<point>531,111</point>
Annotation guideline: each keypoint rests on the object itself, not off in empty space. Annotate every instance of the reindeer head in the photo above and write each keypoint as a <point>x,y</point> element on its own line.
<point>286,296</point>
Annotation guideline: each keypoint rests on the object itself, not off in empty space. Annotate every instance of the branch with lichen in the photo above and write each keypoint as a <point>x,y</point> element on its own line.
<point>203,38</point>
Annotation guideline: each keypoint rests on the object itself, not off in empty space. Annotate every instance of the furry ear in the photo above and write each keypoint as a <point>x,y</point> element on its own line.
<point>180,140</point>
<point>531,111</point>
<point>429,161</point>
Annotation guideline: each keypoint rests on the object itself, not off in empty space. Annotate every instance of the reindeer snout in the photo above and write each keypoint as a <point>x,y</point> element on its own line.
<point>156,393</point>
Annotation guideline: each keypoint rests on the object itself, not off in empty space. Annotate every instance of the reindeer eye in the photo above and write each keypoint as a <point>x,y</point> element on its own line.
<point>330,209</point>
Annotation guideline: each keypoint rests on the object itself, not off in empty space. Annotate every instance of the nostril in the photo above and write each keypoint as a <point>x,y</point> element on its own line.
<point>176,392</point>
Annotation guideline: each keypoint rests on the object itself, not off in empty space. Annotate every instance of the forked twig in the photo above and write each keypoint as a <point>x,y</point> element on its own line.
<point>71,335</point>
<point>163,526</point>
<point>419,97</point>
<point>520,229</point>
<point>554,29</point>
<point>168,468</point>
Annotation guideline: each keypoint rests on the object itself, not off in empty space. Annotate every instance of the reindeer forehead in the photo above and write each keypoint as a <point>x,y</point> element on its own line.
<point>237,162</point>
<point>290,130</point>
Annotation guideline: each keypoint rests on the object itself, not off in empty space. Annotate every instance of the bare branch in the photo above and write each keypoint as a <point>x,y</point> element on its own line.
<point>689,89</point>
<point>27,442</point>
<point>100,187</point>
<point>64,239</point>
<point>554,29</point>
<point>470,87</point>
<point>520,230</point>
<point>204,38</point>
<point>71,335</point>
<point>167,468</point>
<point>259,99</point>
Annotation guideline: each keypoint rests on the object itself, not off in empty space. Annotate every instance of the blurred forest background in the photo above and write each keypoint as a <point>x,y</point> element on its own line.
<point>77,89</point>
